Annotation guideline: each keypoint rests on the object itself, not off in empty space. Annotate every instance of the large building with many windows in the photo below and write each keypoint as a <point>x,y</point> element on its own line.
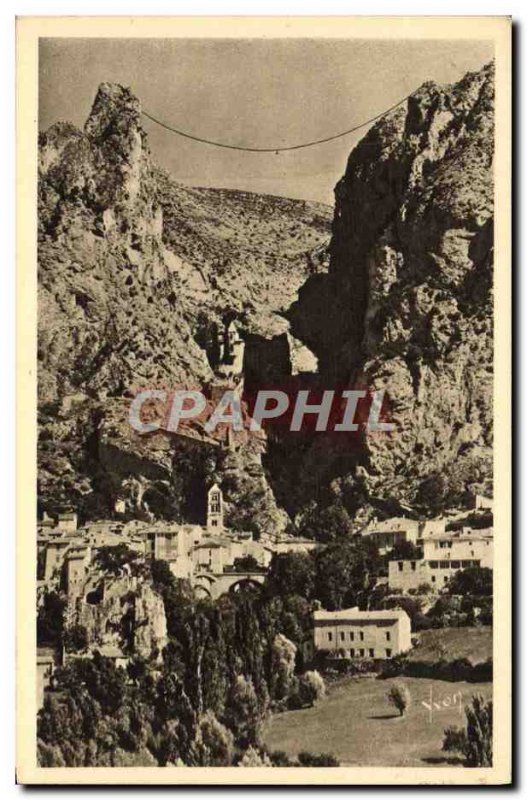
<point>444,553</point>
<point>355,634</point>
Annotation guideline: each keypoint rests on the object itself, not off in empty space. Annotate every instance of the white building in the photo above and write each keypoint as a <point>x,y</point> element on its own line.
<point>444,554</point>
<point>387,533</point>
<point>461,545</point>
<point>215,509</point>
<point>358,634</point>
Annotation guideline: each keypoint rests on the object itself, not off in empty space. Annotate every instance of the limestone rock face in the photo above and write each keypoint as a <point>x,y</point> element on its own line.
<point>407,302</point>
<point>137,274</point>
<point>129,617</point>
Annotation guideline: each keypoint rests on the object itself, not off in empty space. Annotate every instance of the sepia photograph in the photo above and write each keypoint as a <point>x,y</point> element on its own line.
<point>267,290</point>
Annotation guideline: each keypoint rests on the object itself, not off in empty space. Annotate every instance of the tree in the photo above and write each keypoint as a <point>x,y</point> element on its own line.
<point>311,688</point>
<point>327,524</point>
<point>404,551</point>
<point>475,741</point>
<point>247,564</point>
<point>214,744</point>
<point>399,696</point>
<point>50,620</point>
<point>474,581</point>
<point>290,573</point>
<point>75,639</point>
<point>242,712</point>
<point>346,573</point>
<point>283,653</point>
<point>112,559</point>
<point>432,493</point>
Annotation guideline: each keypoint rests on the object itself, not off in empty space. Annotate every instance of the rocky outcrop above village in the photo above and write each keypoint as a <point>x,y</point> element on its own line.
<point>128,617</point>
<point>137,274</point>
<point>407,303</point>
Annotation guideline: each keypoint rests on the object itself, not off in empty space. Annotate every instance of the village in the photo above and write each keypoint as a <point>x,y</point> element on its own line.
<point>215,560</point>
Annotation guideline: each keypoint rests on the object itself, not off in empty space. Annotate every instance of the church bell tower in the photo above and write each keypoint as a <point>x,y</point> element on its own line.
<point>215,509</point>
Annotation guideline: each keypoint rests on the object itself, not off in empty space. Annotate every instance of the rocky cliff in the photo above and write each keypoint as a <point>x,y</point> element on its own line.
<point>129,616</point>
<point>136,275</point>
<point>407,302</point>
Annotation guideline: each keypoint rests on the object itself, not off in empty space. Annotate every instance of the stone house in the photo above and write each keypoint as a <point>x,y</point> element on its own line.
<point>387,533</point>
<point>444,554</point>
<point>358,634</point>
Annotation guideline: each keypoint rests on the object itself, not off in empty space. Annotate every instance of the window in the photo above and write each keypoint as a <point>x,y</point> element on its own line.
<point>388,652</point>
<point>361,652</point>
<point>445,578</point>
<point>455,564</point>
<point>433,578</point>
<point>214,523</point>
<point>465,564</point>
<point>400,565</point>
<point>433,564</point>
<point>372,652</point>
<point>352,636</point>
<point>330,636</point>
<point>444,564</point>
<point>412,564</point>
<point>388,636</point>
<point>352,652</point>
<point>342,636</point>
<point>361,636</point>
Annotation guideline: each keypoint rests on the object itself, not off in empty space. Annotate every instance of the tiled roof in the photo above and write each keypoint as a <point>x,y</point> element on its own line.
<point>354,615</point>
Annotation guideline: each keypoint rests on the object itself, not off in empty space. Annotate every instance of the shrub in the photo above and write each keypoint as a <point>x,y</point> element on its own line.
<point>422,622</point>
<point>454,740</point>
<point>341,665</point>
<point>393,667</point>
<point>424,588</point>
<point>311,688</point>
<point>399,696</point>
<point>281,759</point>
<point>253,758</point>
<point>317,760</point>
<point>363,667</point>
<point>475,741</point>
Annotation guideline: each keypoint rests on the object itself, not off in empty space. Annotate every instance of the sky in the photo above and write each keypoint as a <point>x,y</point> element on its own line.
<point>253,92</point>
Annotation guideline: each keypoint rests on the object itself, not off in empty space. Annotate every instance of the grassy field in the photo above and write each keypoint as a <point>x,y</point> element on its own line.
<point>451,643</point>
<point>357,725</point>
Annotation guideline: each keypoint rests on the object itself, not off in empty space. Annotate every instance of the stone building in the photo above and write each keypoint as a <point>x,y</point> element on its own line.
<point>47,660</point>
<point>78,560</point>
<point>355,634</point>
<point>67,522</point>
<point>215,509</point>
<point>461,545</point>
<point>174,543</point>
<point>232,349</point>
<point>387,533</point>
<point>444,554</point>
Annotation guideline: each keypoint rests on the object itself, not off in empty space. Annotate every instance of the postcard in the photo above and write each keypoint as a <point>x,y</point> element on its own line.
<point>264,373</point>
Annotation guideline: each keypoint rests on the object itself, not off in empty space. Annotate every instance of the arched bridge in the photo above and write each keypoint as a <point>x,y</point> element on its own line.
<point>214,584</point>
